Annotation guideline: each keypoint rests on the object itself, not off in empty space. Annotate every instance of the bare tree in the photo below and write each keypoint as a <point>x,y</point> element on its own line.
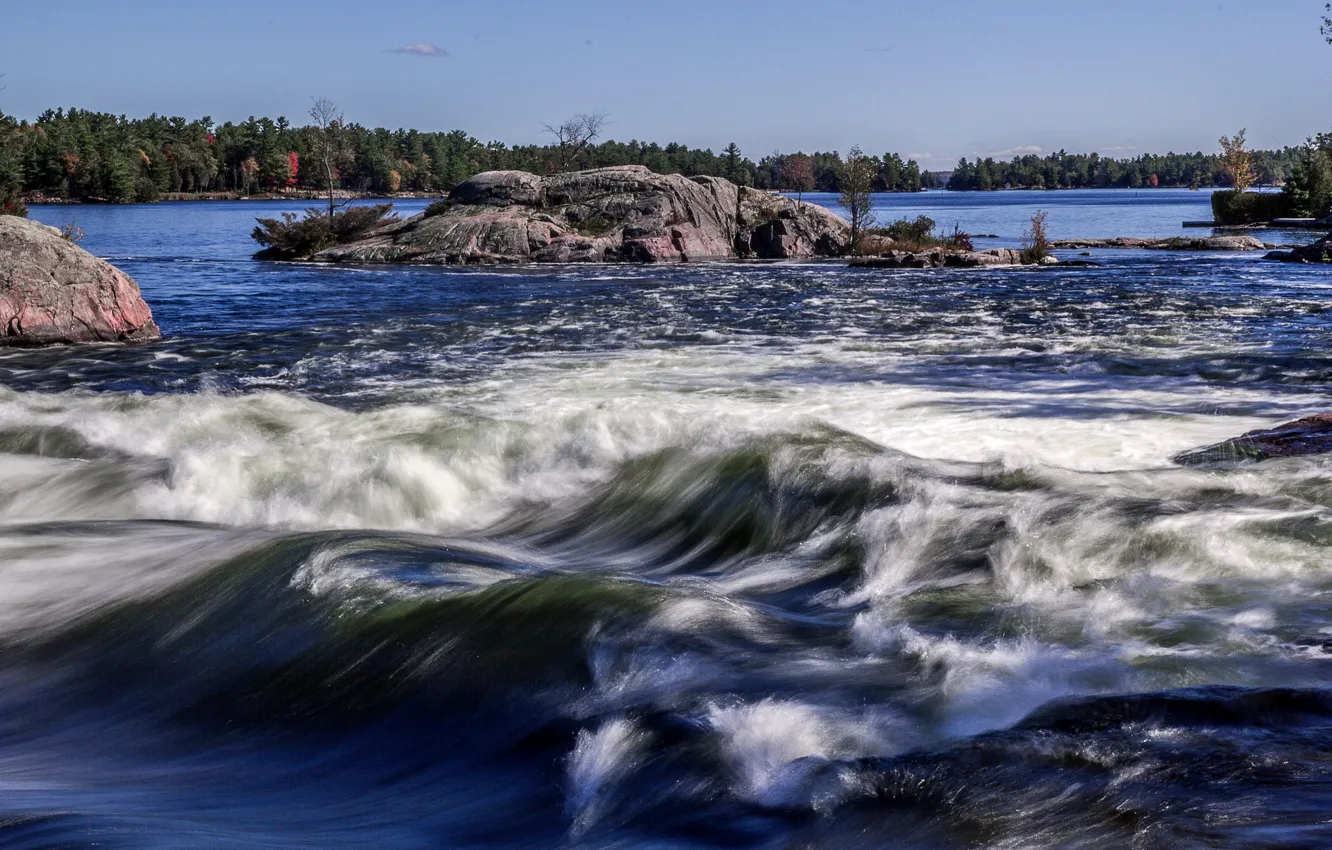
<point>1238,161</point>
<point>574,136</point>
<point>329,142</point>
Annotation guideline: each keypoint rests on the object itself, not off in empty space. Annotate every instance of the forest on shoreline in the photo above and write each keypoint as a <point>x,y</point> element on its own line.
<point>80,155</point>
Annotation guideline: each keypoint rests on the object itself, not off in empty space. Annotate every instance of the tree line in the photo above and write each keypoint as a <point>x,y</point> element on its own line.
<point>83,155</point>
<point>1064,170</point>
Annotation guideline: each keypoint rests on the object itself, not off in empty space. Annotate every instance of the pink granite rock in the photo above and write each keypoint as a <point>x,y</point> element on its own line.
<point>604,215</point>
<point>52,291</point>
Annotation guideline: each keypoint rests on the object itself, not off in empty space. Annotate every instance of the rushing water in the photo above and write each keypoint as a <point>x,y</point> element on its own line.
<point>732,555</point>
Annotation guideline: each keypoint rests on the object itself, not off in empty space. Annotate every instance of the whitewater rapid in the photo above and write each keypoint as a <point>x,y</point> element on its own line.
<point>891,559</point>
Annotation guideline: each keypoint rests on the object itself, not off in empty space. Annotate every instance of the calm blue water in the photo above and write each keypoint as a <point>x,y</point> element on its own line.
<point>727,555</point>
<point>1074,214</point>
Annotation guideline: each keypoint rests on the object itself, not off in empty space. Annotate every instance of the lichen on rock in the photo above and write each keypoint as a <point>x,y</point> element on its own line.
<point>624,214</point>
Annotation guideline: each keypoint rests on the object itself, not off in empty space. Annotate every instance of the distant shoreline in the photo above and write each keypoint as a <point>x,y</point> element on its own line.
<point>315,197</point>
<point>342,195</point>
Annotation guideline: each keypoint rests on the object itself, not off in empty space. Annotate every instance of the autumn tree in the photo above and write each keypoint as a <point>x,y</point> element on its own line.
<point>249,169</point>
<point>797,175</point>
<point>575,135</point>
<point>1238,161</point>
<point>1036,240</point>
<point>855,183</point>
<point>329,143</point>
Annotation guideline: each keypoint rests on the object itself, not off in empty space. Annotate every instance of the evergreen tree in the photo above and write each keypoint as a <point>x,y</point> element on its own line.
<point>734,173</point>
<point>911,179</point>
<point>11,171</point>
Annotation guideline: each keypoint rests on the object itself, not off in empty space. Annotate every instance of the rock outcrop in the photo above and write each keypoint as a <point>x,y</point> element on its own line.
<point>941,258</point>
<point>1318,252</point>
<point>1210,243</point>
<point>1311,435</point>
<point>605,215</point>
<point>53,291</point>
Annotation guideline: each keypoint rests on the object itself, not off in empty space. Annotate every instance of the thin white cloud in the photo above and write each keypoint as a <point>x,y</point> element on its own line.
<point>920,157</point>
<point>1118,149</point>
<point>1021,150</point>
<point>429,51</point>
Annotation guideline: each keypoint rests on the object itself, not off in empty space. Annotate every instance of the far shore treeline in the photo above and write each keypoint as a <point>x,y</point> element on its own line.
<point>80,155</point>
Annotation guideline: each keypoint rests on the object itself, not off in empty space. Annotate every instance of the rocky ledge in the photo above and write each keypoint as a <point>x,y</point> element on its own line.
<point>1309,436</point>
<point>943,258</point>
<point>605,215</point>
<point>1318,252</point>
<point>53,291</point>
<point>1211,243</point>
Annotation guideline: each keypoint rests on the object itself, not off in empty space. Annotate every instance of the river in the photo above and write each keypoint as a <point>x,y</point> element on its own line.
<point>766,555</point>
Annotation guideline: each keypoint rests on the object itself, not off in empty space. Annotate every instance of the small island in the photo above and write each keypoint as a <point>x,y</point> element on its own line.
<point>620,214</point>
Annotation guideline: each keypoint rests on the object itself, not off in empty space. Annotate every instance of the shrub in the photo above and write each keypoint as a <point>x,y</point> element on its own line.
<point>292,237</point>
<point>1036,241</point>
<point>917,230</point>
<point>915,235</point>
<point>958,240</point>
<point>438,207</point>
<point>72,233</point>
<point>595,225</point>
<point>1231,207</point>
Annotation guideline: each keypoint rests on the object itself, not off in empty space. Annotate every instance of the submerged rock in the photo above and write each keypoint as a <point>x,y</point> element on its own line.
<point>605,215</point>
<point>1210,243</point>
<point>1311,435</point>
<point>53,291</point>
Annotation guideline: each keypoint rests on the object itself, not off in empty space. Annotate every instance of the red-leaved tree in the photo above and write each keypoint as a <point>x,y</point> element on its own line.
<point>797,175</point>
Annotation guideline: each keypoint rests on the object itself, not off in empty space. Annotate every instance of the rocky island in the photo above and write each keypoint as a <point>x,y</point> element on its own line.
<point>623,214</point>
<point>53,291</point>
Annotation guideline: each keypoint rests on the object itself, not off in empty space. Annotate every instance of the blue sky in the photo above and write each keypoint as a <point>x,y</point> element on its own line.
<point>937,79</point>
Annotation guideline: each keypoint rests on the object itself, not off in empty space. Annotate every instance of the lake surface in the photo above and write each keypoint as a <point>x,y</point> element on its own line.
<point>727,555</point>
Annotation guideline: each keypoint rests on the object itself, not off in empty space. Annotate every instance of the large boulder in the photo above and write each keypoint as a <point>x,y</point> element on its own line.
<point>605,215</point>
<point>53,291</point>
<point>1311,435</point>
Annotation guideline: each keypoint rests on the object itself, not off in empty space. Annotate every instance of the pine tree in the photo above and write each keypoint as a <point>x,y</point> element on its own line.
<point>733,172</point>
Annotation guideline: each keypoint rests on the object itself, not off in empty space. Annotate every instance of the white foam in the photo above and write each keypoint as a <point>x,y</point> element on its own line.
<point>601,759</point>
<point>774,747</point>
